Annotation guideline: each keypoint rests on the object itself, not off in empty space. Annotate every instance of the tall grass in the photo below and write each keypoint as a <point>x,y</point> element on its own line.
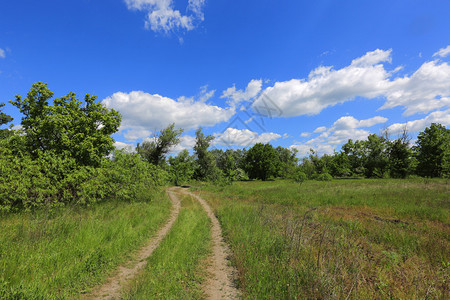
<point>62,253</point>
<point>175,269</point>
<point>341,239</point>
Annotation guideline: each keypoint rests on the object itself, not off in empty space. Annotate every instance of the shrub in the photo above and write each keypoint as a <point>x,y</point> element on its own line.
<point>324,177</point>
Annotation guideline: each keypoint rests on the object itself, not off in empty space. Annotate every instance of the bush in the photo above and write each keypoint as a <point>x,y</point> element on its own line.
<point>51,180</point>
<point>324,177</point>
<point>300,176</point>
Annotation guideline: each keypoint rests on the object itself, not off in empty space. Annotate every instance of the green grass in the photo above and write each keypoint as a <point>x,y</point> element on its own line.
<point>61,254</point>
<point>360,239</point>
<point>175,270</point>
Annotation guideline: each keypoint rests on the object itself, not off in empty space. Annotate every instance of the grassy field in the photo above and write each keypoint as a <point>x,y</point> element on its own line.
<point>60,254</point>
<point>175,270</point>
<point>347,239</point>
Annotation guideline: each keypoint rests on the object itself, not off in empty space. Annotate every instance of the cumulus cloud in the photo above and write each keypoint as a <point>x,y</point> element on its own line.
<point>443,52</point>
<point>237,96</point>
<point>320,129</point>
<point>344,128</point>
<point>427,89</point>
<point>161,15</point>
<point>142,112</point>
<point>243,137</point>
<point>365,77</point>
<point>442,117</point>
<point>2,53</point>
<point>186,142</point>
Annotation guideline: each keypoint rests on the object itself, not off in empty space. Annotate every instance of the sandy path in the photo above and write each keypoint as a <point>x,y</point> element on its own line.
<point>112,288</point>
<point>220,284</point>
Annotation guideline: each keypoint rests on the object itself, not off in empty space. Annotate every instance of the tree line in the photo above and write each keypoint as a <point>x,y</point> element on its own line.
<point>64,153</point>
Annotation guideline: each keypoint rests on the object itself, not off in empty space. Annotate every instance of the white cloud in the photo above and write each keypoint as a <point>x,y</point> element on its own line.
<point>365,77</point>
<point>186,142</point>
<point>443,52</point>
<point>127,147</point>
<point>143,111</point>
<point>320,129</point>
<point>305,134</point>
<point>161,15</point>
<point>237,96</point>
<point>137,133</point>
<point>243,138</point>
<point>2,53</point>
<point>344,128</point>
<point>427,89</point>
<point>442,117</point>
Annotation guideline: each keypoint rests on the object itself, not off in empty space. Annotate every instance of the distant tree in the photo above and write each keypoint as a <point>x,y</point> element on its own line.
<point>400,158</point>
<point>69,127</point>
<point>433,151</point>
<point>155,151</point>
<point>262,162</point>
<point>355,154</point>
<point>206,166</point>
<point>340,165</point>
<point>376,159</point>
<point>182,167</point>
<point>288,161</point>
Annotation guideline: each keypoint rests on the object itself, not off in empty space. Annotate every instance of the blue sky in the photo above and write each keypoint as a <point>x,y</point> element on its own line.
<point>300,74</point>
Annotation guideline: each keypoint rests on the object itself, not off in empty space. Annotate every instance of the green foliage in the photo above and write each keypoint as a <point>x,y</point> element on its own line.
<point>262,162</point>
<point>375,156</point>
<point>4,119</point>
<point>155,151</point>
<point>51,180</point>
<point>300,176</point>
<point>206,165</point>
<point>182,168</point>
<point>288,161</point>
<point>69,127</point>
<point>400,158</point>
<point>433,151</point>
<point>324,177</point>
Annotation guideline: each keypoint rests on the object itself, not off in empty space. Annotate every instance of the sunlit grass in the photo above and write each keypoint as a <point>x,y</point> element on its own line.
<point>338,239</point>
<point>63,253</point>
<point>176,268</point>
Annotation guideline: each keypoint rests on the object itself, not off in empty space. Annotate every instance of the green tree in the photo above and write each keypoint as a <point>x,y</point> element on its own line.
<point>262,162</point>
<point>69,127</point>
<point>4,119</point>
<point>355,153</point>
<point>155,151</point>
<point>182,167</point>
<point>288,161</point>
<point>376,158</point>
<point>400,158</point>
<point>433,151</point>
<point>206,166</point>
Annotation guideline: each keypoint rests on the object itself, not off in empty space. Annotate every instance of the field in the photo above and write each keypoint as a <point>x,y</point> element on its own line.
<point>63,253</point>
<point>347,239</point>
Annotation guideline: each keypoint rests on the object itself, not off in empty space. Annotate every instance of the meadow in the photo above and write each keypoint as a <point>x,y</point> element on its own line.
<point>62,253</point>
<point>346,239</point>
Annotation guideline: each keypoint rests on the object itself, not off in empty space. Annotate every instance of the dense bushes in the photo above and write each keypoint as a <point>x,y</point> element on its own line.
<point>51,180</point>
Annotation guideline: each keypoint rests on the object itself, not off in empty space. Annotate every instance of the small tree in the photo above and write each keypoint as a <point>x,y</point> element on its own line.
<point>155,151</point>
<point>262,162</point>
<point>182,167</point>
<point>433,151</point>
<point>206,166</point>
